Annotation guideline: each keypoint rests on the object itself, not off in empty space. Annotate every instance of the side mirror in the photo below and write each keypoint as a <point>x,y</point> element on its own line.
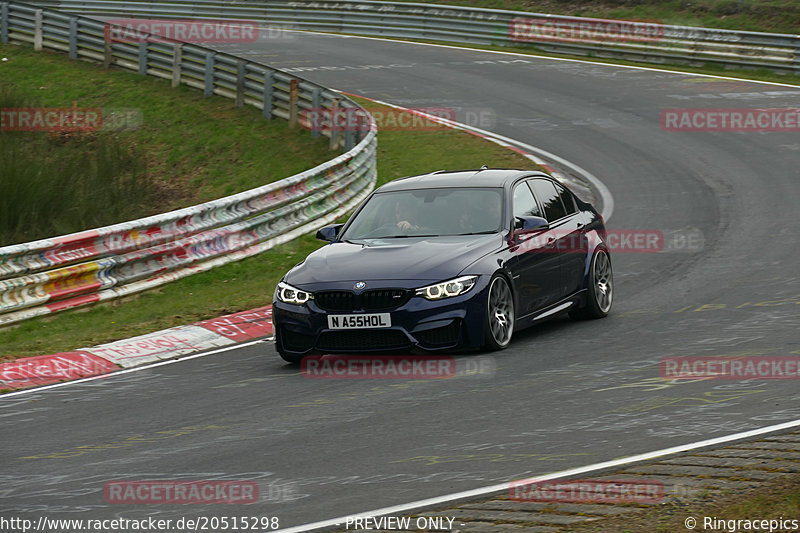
<point>530,223</point>
<point>329,233</point>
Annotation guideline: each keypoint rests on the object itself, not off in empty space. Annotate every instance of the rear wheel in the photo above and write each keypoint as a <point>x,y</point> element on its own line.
<point>499,314</point>
<point>601,289</point>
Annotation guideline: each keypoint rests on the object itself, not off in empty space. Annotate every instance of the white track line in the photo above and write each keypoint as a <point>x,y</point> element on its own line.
<point>109,375</point>
<point>484,491</point>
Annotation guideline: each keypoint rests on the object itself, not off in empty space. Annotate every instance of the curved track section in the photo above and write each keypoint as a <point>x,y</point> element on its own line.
<point>563,395</point>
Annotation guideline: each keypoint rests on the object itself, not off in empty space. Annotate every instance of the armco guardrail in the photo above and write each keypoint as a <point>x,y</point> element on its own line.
<point>49,275</point>
<point>646,41</point>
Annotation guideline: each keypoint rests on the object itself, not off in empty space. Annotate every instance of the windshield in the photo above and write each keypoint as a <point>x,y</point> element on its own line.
<point>428,212</point>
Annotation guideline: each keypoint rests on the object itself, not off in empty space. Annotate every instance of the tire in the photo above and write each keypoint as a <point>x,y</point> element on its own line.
<point>499,314</point>
<point>600,295</point>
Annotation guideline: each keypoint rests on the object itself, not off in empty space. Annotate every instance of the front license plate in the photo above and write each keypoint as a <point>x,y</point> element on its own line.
<point>375,320</point>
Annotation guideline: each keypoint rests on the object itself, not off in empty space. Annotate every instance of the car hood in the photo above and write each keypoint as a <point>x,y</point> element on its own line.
<point>423,259</point>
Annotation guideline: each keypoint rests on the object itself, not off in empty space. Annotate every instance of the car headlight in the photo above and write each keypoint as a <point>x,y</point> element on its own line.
<point>447,289</point>
<point>292,295</point>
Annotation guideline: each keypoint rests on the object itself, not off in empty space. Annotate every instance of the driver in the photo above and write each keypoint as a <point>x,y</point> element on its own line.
<point>405,213</point>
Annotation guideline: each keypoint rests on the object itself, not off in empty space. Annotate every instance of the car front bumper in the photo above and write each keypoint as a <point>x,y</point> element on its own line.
<point>419,324</point>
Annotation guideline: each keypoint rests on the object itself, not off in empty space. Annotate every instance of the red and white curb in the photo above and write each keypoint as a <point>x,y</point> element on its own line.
<point>166,344</point>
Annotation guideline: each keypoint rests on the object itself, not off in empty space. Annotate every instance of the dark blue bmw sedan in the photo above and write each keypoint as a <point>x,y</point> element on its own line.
<point>446,260</point>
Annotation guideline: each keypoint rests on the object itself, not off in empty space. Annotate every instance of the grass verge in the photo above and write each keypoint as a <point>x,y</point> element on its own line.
<point>193,148</point>
<point>63,181</point>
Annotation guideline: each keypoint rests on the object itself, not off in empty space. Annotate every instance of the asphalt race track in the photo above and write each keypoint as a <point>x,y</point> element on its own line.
<point>565,394</point>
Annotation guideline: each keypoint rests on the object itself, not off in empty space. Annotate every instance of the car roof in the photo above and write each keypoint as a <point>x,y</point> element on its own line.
<point>459,178</point>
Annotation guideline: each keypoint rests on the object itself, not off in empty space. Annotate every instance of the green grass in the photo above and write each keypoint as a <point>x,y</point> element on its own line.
<point>192,148</point>
<point>64,181</point>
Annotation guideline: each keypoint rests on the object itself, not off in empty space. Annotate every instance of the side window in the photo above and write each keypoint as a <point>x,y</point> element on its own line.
<point>551,201</point>
<point>524,202</point>
<point>567,199</point>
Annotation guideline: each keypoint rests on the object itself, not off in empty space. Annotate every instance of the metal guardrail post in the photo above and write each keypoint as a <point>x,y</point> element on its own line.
<point>349,133</point>
<point>240,80</point>
<point>107,52</point>
<point>797,56</point>
<point>334,144</point>
<point>143,57</point>
<point>73,37</point>
<point>269,81</point>
<point>315,114</point>
<point>37,30</point>
<point>361,126</point>
<point>4,23</point>
<point>293,97</point>
<point>177,59</point>
<point>209,74</point>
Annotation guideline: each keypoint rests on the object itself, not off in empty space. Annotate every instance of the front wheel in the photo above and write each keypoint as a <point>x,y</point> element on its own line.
<point>499,314</point>
<point>601,289</point>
